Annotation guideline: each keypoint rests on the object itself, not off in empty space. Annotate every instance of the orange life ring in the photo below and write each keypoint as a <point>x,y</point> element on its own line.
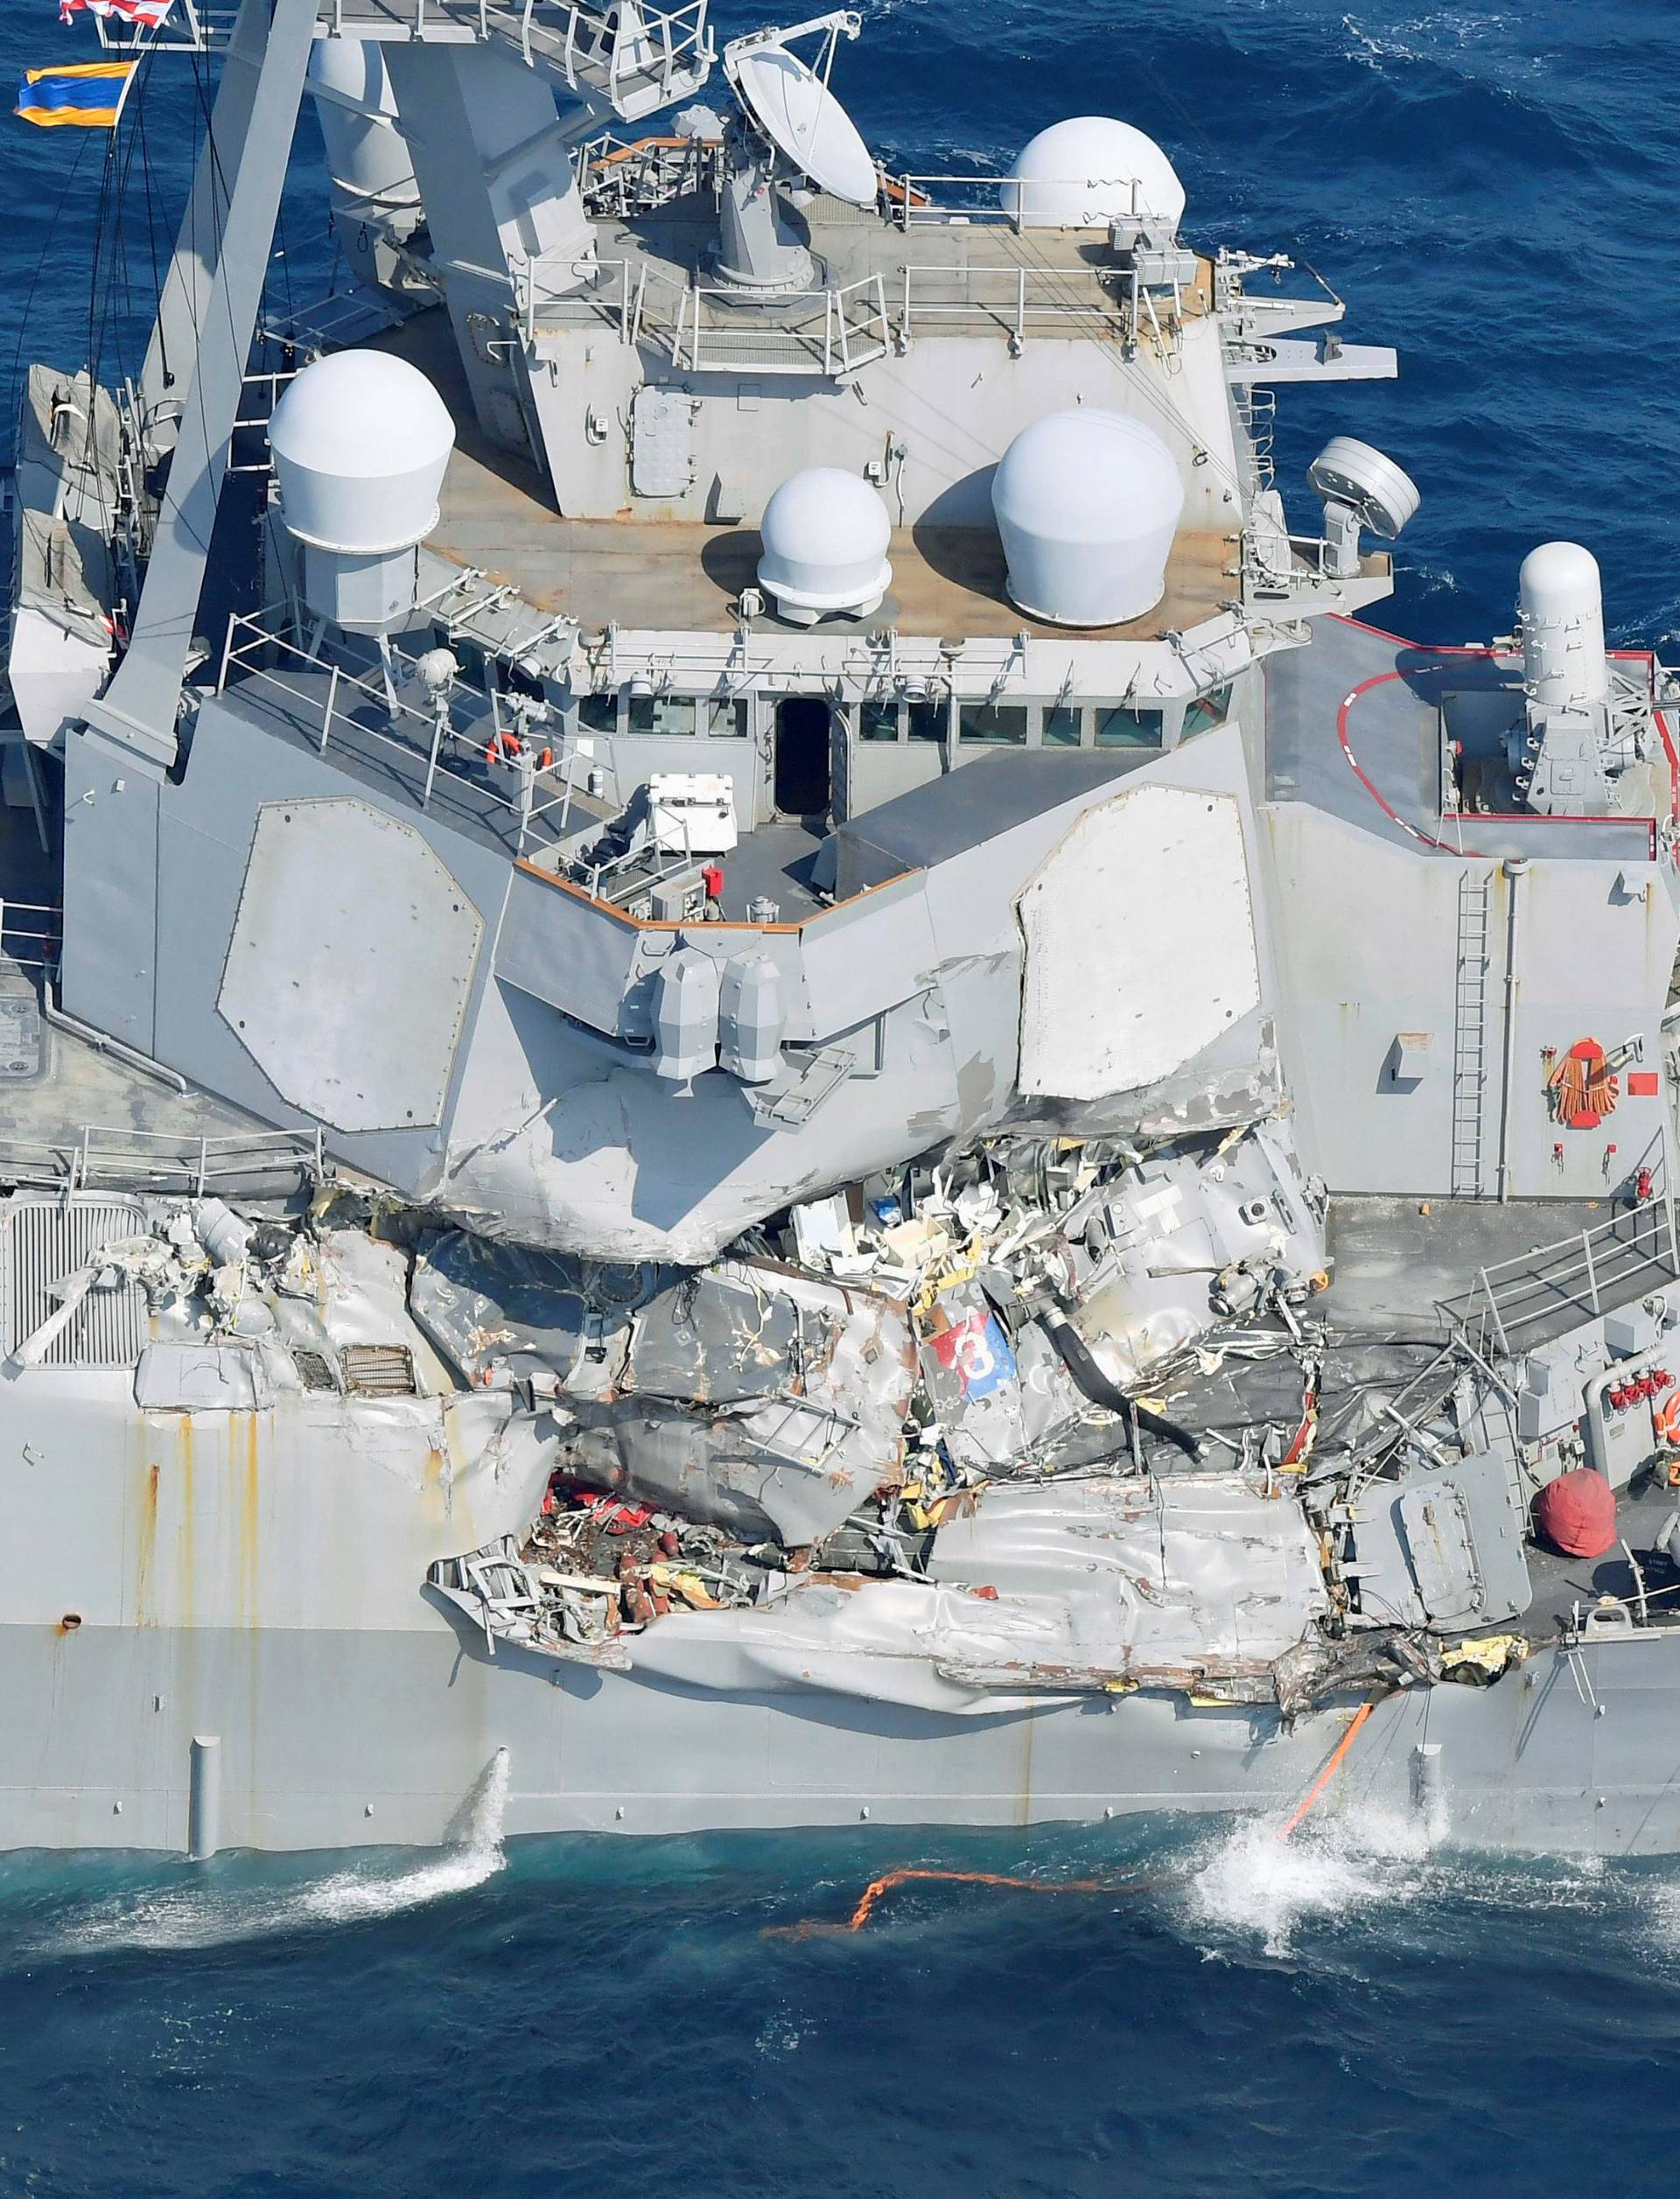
<point>503,748</point>
<point>1667,1420</point>
<point>1583,1089</point>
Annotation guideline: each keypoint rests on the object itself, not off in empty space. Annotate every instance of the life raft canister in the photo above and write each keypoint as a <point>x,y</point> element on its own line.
<point>1576,1513</point>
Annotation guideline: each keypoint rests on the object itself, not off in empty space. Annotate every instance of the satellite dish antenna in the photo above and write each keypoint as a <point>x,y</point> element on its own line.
<point>791,125</point>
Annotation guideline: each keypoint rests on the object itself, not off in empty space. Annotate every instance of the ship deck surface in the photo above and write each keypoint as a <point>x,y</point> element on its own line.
<point>662,575</point>
<point>1354,728</point>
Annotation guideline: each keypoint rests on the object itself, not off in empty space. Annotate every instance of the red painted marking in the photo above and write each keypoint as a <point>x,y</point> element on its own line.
<point>1641,1084</point>
<point>1381,679</point>
<point>1469,649</point>
<point>1483,816</point>
<point>1668,749</point>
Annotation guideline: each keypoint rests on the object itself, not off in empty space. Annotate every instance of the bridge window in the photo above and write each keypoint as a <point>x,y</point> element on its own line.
<point>987,722</point>
<point>1123,728</point>
<point>664,715</point>
<point>1206,710</point>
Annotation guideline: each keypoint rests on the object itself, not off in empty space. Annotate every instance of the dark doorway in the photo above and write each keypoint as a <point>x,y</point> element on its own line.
<point>803,764</point>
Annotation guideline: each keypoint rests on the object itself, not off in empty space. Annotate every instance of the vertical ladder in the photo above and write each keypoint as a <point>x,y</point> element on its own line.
<point>1470,1032</point>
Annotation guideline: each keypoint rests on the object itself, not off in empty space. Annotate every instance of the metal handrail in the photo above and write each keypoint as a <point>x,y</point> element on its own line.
<point>839,328</point>
<point>1514,1295</point>
<point>912,199</point>
<point>18,922</point>
<point>1026,297</point>
<point>428,745</point>
<point>673,46</point>
<point>136,1159</point>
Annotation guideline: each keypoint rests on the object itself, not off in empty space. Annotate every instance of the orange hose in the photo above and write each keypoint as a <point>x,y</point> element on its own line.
<point>1329,1771</point>
<point>815,1927</point>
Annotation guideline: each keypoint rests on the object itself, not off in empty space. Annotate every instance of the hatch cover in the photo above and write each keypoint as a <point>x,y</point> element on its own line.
<point>662,453</point>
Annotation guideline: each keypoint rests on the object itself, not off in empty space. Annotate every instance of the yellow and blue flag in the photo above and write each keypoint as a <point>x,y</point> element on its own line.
<point>85,95</point>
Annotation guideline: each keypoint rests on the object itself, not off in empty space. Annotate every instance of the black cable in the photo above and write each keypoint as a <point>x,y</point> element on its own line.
<point>1071,1350</point>
<point>40,264</point>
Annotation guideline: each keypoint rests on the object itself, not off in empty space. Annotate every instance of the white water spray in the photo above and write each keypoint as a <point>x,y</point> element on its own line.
<point>1254,1885</point>
<point>203,1916</point>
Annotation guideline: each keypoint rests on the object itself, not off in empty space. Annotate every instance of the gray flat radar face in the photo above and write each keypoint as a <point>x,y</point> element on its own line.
<point>804,122</point>
<point>1351,473</point>
<point>349,968</point>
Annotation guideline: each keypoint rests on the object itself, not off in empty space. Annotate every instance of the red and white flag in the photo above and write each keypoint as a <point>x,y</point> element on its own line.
<point>147,15</point>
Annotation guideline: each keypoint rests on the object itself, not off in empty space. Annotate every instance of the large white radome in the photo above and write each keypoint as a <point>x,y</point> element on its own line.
<point>1089,171</point>
<point>361,442</point>
<point>1087,503</point>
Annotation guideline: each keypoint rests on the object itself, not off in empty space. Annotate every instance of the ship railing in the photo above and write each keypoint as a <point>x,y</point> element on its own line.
<point>1520,1303</point>
<point>702,328</point>
<point>994,201</point>
<point>1257,409</point>
<point>1017,302</point>
<point>470,742</point>
<point>29,933</point>
<point>638,60</point>
<point>828,332</point>
<point>621,176</point>
<point>623,879</point>
<point>173,1162</point>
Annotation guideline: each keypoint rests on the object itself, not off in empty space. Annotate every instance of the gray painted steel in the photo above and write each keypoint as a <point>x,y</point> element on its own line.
<point>1053,1280</point>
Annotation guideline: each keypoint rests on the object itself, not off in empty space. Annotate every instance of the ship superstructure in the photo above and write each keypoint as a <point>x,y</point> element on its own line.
<point>832,1101</point>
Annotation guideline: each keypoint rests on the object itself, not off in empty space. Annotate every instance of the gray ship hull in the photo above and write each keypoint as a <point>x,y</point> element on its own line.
<point>336,1740</point>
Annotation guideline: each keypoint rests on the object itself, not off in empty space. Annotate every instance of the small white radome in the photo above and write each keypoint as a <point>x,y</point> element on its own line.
<point>826,534</point>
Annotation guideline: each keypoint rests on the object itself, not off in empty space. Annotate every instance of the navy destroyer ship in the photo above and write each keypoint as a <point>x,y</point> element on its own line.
<point>759,1066</point>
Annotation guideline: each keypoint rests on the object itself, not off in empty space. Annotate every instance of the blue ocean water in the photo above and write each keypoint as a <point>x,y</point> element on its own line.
<point>1346,2014</point>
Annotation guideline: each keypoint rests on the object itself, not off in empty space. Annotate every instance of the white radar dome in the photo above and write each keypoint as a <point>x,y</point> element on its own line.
<point>360,443</point>
<point>1560,616</point>
<point>826,534</point>
<point>1089,171</point>
<point>1087,503</point>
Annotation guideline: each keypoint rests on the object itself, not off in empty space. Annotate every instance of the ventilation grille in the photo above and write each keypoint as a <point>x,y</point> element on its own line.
<point>313,1369</point>
<point>41,1241</point>
<point>379,1370</point>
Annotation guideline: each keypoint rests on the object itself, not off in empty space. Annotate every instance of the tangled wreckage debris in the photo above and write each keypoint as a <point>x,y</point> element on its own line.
<point>1060,1418</point>
<point>1057,1419</point>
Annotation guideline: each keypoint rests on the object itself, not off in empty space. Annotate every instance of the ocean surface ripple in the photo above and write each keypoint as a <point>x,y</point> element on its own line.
<point>1491,187</point>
